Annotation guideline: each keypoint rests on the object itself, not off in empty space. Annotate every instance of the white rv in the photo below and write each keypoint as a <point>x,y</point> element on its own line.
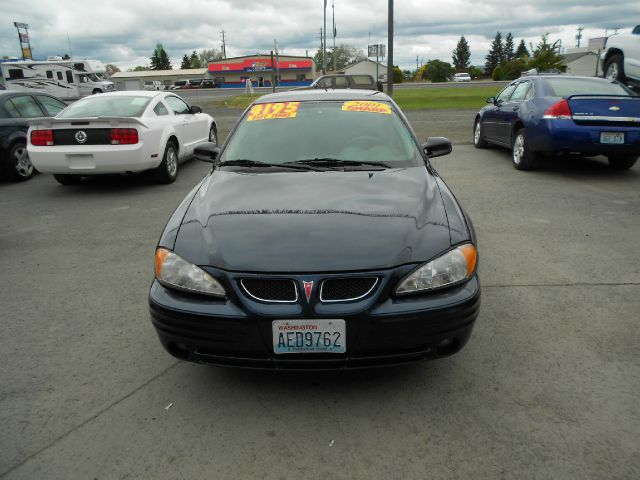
<point>66,79</point>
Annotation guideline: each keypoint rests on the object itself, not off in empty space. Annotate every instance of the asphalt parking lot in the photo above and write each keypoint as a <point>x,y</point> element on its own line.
<point>546,388</point>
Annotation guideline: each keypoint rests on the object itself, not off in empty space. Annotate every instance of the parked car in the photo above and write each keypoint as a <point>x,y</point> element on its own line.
<point>153,85</point>
<point>120,132</point>
<point>298,252</point>
<point>461,77</point>
<point>362,81</point>
<point>15,110</point>
<point>208,83</point>
<point>621,57</point>
<point>562,114</point>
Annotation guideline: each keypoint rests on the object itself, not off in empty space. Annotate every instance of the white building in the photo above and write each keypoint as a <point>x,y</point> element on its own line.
<point>581,61</point>
<point>368,67</point>
<point>135,80</point>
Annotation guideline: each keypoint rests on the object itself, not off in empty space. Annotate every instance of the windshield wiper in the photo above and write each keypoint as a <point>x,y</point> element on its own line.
<point>335,162</point>
<point>256,163</point>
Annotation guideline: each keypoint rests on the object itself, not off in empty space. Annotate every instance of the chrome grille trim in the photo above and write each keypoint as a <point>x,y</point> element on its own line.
<point>375,284</point>
<point>295,287</point>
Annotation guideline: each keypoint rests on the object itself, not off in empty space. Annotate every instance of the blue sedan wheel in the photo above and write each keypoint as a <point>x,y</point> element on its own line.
<point>522,157</point>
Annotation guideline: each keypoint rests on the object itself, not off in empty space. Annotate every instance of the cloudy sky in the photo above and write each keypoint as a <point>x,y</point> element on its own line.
<point>125,32</point>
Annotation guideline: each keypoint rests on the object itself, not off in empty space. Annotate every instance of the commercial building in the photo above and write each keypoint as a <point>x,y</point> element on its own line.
<point>135,80</point>
<point>291,71</point>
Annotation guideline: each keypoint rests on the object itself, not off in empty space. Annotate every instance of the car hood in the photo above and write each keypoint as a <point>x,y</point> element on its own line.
<point>314,221</point>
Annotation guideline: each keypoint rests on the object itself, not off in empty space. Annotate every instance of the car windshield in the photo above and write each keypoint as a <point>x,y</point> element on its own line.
<point>107,106</point>
<point>350,131</point>
<point>565,87</point>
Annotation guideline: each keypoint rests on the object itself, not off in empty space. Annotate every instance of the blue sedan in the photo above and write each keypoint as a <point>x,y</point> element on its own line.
<point>562,114</point>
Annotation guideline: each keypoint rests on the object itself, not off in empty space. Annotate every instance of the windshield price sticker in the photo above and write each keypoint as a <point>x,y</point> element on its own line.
<point>309,336</point>
<point>268,111</point>
<point>361,106</point>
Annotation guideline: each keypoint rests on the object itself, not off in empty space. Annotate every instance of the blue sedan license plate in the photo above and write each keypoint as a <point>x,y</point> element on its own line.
<point>309,336</point>
<point>615,138</point>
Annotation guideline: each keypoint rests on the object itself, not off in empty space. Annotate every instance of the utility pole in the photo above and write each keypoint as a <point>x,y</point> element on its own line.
<point>277,65</point>
<point>333,8</point>
<point>390,47</point>
<point>224,45</point>
<point>324,41</point>
<point>579,36</point>
<point>273,81</point>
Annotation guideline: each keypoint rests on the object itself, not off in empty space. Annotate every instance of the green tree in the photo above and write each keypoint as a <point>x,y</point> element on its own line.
<point>186,62</point>
<point>510,70</point>
<point>461,55</point>
<point>160,59</point>
<point>210,55</point>
<point>546,56</point>
<point>522,51</point>
<point>398,77</point>
<point>110,69</point>
<point>139,68</point>
<point>345,55</point>
<point>475,72</point>
<point>437,71</point>
<point>195,60</point>
<point>494,57</point>
<point>508,53</point>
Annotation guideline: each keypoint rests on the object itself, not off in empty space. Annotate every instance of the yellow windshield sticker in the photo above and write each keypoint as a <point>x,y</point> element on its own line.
<point>361,106</point>
<point>267,111</point>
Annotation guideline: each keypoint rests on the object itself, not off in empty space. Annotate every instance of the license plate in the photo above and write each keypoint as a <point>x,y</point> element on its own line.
<point>612,137</point>
<point>309,336</point>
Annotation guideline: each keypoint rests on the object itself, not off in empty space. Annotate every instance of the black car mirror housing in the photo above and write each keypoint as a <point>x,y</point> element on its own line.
<point>196,109</point>
<point>437,147</point>
<point>207,152</point>
<point>491,100</point>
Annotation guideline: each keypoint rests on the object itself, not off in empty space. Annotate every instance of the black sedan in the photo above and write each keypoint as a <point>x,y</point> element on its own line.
<point>15,109</point>
<point>322,238</point>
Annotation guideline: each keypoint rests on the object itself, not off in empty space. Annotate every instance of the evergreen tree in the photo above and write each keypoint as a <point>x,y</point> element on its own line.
<point>160,59</point>
<point>461,55</point>
<point>195,60</point>
<point>186,62</point>
<point>508,53</point>
<point>522,51</point>
<point>495,55</point>
<point>546,56</point>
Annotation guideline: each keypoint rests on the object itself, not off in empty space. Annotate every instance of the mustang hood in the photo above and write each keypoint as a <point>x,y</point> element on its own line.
<point>314,221</point>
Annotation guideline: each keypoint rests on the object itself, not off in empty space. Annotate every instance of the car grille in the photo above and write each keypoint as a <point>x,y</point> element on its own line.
<point>345,289</point>
<point>270,289</point>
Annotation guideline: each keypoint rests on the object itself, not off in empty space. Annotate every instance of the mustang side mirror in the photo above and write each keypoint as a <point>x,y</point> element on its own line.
<point>437,147</point>
<point>491,100</point>
<point>196,110</point>
<point>207,152</point>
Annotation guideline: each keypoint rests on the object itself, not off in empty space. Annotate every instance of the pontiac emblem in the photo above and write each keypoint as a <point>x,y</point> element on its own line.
<point>81,136</point>
<point>308,286</point>
<point>614,108</point>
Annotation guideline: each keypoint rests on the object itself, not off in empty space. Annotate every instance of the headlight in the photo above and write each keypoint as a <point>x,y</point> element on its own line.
<point>173,271</point>
<point>453,267</point>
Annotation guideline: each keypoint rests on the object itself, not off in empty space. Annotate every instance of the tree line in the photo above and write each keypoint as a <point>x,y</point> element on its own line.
<point>159,60</point>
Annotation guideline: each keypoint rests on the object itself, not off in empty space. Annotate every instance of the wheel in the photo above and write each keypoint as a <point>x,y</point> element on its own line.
<point>614,68</point>
<point>167,171</point>
<point>96,90</point>
<point>522,157</point>
<point>68,179</point>
<point>213,135</point>
<point>622,162</point>
<point>18,167</point>
<point>478,139</point>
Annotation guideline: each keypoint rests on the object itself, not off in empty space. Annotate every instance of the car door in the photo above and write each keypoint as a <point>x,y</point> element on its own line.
<point>510,111</point>
<point>191,127</point>
<point>492,117</point>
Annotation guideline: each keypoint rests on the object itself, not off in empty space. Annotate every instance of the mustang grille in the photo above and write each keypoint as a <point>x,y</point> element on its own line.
<point>345,289</point>
<point>270,290</point>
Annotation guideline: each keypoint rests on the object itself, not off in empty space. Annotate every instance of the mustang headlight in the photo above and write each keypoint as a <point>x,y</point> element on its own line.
<point>176,272</point>
<point>453,267</point>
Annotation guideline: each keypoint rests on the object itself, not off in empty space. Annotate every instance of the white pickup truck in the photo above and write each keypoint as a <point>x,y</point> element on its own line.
<point>621,58</point>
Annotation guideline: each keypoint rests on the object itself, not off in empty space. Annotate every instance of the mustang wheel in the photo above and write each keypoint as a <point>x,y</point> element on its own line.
<point>522,157</point>
<point>614,69</point>
<point>67,179</point>
<point>213,135</point>
<point>167,171</point>
<point>622,162</point>
<point>18,167</point>
<point>478,139</point>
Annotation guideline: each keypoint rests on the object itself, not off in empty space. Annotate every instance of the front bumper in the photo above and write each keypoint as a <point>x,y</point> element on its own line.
<point>380,330</point>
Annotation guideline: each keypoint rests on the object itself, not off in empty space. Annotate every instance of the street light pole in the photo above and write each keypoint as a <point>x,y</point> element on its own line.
<point>390,54</point>
<point>324,41</point>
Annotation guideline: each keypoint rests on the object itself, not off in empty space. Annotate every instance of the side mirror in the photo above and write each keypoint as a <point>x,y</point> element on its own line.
<point>196,109</point>
<point>491,100</point>
<point>207,152</point>
<point>437,147</point>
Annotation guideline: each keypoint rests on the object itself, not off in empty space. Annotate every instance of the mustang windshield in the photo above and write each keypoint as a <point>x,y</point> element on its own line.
<point>351,134</point>
<point>106,106</point>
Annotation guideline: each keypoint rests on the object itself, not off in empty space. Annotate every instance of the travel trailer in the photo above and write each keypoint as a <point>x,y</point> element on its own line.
<point>66,79</point>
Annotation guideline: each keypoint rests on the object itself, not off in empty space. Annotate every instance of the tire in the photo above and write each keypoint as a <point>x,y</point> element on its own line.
<point>478,139</point>
<point>17,165</point>
<point>96,90</point>
<point>622,162</point>
<point>614,68</point>
<point>167,171</point>
<point>521,157</point>
<point>213,135</point>
<point>68,179</point>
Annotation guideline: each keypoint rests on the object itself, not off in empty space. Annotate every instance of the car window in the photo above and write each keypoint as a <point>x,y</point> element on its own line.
<point>359,131</point>
<point>177,105</point>
<point>521,91</point>
<point>506,93</point>
<point>25,106</point>
<point>323,83</point>
<point>341,82</point>
<point>53,106</point>
<point>107,106</point>
<point>11,110</point>
<point>565,87</point>
<point>363,80</point>
<point>59,74</point>
<point>160,109</point>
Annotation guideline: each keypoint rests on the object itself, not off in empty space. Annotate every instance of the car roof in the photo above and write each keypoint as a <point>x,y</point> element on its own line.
<point>322,94</point>
<point>131,93</point>
<point>546,76</point>
<point>14,93</point>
